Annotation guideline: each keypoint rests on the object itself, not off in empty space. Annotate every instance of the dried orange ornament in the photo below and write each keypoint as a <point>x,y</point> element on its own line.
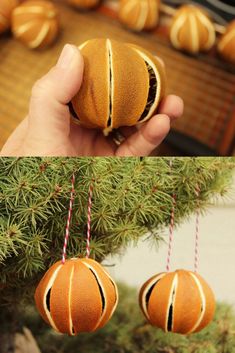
<point>6,8</point>
<point>84,4</point>
<point>139,15</point>
<point>180,302</point>
<point>36,23</point>
<point>122,85</point>
<point>226,45</point>
<point>77,296</point>
<point>192,30</point>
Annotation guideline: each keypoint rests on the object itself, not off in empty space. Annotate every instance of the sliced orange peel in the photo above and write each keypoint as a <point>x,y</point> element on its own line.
<point>192,30</point>
<point>226,44</point>
<point>122,85</point>
<point>139,15</point>
<point>77,296</point>
<point>36,23</point>
<point>180,302</point>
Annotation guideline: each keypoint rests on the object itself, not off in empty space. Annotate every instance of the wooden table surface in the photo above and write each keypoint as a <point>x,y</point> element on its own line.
<point>202,82</point>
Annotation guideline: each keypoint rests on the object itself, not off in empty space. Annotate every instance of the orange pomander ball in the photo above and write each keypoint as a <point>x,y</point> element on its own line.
<point>36,23</point>
<point>77,296</point>
<point>192,30</point>
<point>226,45</point>
<point>6,8</point>
<point>84,4</point>
<point>122,85</point>
<point>139,15</point>
<point>180,302</point>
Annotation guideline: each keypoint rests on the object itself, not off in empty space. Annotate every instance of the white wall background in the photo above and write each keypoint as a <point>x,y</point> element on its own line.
<point>216,250</point>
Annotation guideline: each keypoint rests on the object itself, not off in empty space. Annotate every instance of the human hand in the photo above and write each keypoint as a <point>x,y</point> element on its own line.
<point>49,131</point>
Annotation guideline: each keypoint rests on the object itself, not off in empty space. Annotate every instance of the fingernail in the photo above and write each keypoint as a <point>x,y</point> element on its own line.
<point>66,56</point>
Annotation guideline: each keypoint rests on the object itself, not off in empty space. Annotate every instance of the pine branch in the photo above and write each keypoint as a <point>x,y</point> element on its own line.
<point>132,197</point>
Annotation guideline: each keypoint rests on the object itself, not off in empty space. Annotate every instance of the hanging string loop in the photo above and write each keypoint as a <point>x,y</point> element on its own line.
<point>196,254</point>
<point>90,193</point>
<point>67,229</point>
<point>172,223</point>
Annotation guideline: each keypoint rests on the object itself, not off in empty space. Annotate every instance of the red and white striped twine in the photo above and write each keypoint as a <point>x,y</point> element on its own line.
<point>88,249</point>
<point>69,219</point>
<point>196,255</point>
<point>171,228</point>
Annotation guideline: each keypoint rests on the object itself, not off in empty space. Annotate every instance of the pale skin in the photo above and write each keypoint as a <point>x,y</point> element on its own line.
<point>49,131</point>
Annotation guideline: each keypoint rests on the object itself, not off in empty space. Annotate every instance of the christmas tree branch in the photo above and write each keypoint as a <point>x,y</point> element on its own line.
<point>131,197</point>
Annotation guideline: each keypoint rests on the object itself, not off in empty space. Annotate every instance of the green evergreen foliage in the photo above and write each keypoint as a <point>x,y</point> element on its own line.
<point>128,332</point>
<point>132,196</point>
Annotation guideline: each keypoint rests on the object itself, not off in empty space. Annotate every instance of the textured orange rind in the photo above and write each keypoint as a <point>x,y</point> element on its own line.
<point>36,23</point>
<point>122,85</point>
<point>180,302</point>
<point>226,44</point>
<point>77,296</point>
<point>192,30</point>
<point>139,15</point>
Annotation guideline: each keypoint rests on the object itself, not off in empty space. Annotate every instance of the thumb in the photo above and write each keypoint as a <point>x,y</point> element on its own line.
<point>49,115</point>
